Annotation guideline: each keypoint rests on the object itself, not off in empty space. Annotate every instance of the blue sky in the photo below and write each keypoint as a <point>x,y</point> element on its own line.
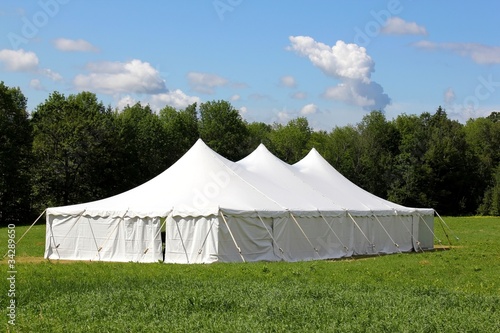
<point>330,61</point>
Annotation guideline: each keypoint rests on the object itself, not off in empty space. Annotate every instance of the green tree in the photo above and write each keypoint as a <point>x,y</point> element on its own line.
<point>15,157</point>
<point>258,133</point>
<point>181,130</point>
<point>74,139</point>
<point>345,152</point>
<point>290,142</point>
<point>483,138</point>
<point>410,170</point>
<point>145,151</point>
<point>449,182</point>
<point>379,144</point>
<point>222,128</point>
<point>491,199</point>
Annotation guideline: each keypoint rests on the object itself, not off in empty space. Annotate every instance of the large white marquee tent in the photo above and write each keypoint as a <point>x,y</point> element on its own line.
<point>216,210</point>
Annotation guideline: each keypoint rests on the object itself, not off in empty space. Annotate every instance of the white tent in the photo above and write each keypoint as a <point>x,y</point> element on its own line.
<point>259,208</point>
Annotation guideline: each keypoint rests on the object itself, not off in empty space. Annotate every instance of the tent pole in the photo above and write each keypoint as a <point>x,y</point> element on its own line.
<point>234,240</point>
<point>31,226</point>
<point>364,235</point>
<point>298,225</point>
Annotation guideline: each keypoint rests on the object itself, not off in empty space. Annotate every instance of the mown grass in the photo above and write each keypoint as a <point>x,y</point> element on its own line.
<point>456,290</point>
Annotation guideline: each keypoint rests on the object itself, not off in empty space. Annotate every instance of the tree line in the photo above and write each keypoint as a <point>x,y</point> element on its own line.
<point>73,149</point>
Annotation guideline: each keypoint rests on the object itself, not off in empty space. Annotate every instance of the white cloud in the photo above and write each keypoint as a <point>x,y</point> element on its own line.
<point>449,96</point>
<point>288,81</point>
<point>243,110</point>
<point>349,63</point>
<point>19,60</point>
<point>341,60</point>
<point>72,45</point>
<point>50,74</point>
<point>125,101</point>
<point>309,109</point>
<point>299,95</point>
<point>398,26</point>
<point>479,53</point>
<point>369,96</point>
<point>283,117</point>
<point>176,98</point>
<point>22,61</point>
<point>235,98</point>
<point>112,78</point>
<point>36,84</point>
<point>205,83</point>
<point>260,97</point>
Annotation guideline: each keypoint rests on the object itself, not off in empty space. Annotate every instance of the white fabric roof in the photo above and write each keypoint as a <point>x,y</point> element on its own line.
<point>198,184</point>
<point>202,182</point>
<point>278,180</point>
<point>319,174</point>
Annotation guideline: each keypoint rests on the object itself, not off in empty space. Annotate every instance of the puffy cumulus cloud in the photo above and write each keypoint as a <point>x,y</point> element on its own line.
<point>23,61</point>
<point>121,77</point>
<point>351,65</point>
<point>288,81</point>
<point>341,60</point>
<point>309,109</point>
<point>369,96</point>
<point>397,26</point>
<point>72,45</point>
<point>479,53</point>
<point>449,96</point>
<point>176,98</point>
<point>125,101</point>
<point>19,60</point>
<point>205,83</point>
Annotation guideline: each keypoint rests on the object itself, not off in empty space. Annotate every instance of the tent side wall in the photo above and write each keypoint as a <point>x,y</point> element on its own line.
<point>425,230</point>
<point>190,240</point>
<point>81,237</point>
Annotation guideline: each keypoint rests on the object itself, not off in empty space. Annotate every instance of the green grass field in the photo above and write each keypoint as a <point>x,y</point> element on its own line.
<point>456,290</point>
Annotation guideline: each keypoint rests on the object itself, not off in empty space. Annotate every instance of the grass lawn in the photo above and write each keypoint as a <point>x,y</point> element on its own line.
<point>456,290</point>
